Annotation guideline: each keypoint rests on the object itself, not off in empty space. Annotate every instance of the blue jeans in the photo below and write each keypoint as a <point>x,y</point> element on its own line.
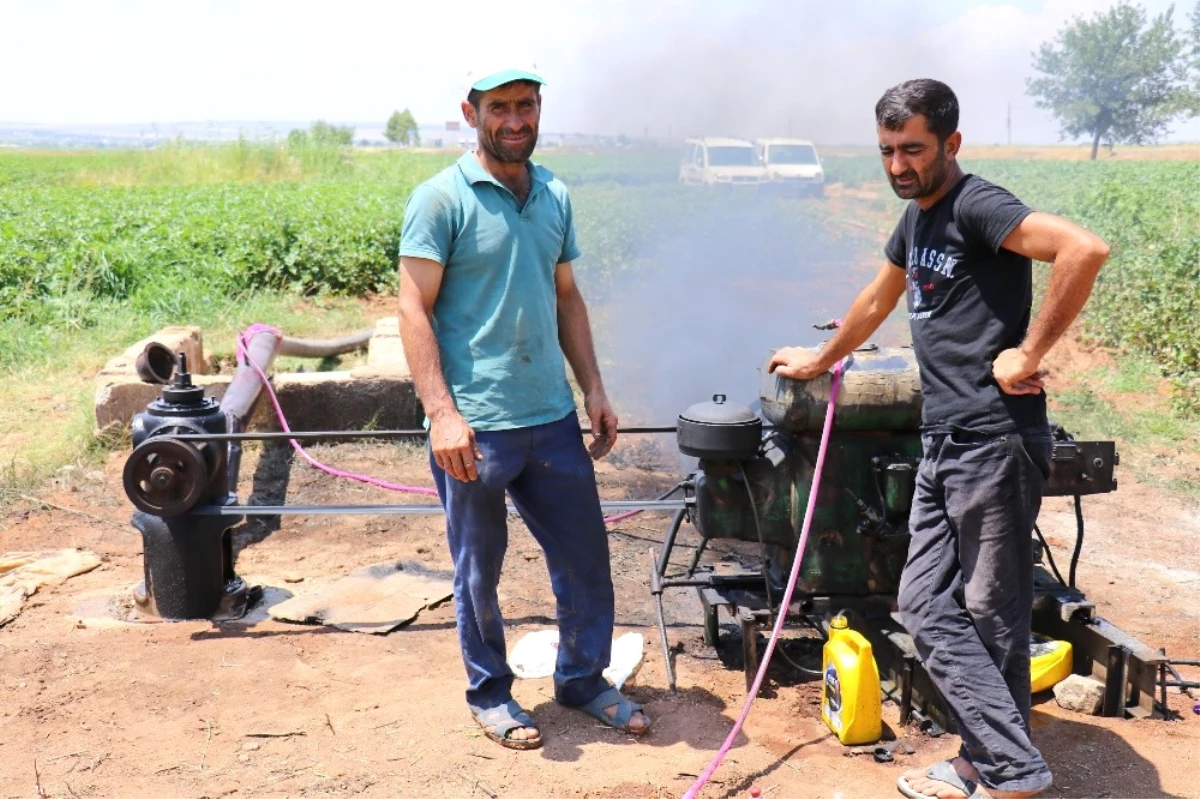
<point>548,474</point>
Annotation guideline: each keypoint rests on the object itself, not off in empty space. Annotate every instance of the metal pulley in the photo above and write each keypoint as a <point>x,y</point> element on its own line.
<point>165,477</point>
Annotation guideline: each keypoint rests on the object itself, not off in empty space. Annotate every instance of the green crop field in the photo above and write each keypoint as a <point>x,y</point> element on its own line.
<point>99,249</point>
<point>1147,298</point>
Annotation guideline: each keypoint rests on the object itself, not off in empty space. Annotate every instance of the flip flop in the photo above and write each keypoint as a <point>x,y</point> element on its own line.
<point>942,771</point>
<point>625,710</point>
<point>499,721</point>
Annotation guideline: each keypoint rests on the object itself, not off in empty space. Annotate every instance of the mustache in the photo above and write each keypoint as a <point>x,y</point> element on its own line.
<point>527,130</point>
<point>909,175</point>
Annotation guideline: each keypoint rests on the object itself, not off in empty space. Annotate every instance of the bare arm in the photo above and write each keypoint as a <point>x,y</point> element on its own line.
<point>420,282</point>
<point>575,338</point>
<point>452,439</point>
<point>866,314</point>
<point>1076,256</point>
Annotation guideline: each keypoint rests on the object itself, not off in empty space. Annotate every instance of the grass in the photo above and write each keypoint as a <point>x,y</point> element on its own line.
<point>46,418</point>
<point>1127,401</point>
<point>1147,298</point>
<point>1144,308</point>
<point>99,249</point>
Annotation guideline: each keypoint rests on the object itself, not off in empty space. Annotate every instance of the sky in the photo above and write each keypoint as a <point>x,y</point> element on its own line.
<point>639,67</point>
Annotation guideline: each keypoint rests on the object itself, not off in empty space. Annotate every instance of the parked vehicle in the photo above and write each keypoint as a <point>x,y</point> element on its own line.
<point>792,164</point>
<point>721,162</point>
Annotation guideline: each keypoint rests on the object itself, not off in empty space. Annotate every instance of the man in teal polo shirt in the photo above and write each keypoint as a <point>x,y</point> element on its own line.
<point>488,310</point>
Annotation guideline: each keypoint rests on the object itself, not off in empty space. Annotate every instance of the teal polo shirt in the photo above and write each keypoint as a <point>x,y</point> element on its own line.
<point>496,314</point>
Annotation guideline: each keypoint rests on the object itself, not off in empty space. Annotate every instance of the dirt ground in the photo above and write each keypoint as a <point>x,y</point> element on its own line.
<point>94,706</point>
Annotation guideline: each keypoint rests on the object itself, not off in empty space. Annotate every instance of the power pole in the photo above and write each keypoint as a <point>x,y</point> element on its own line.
<point>1010,124</point>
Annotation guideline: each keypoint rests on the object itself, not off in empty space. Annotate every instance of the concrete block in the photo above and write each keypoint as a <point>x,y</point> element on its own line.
<point>310,400</point>
<point>187,340</point>
<point>344,401</point>
<point>120,396</point>
<point>385,351</point>
<point>1080,694</point>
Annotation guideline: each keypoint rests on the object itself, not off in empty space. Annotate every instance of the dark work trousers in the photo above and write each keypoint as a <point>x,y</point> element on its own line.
<point>966,594</point>
<point>547,473</point>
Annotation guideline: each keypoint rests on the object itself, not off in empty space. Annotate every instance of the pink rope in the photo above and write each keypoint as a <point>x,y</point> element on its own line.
<point>787,595</point>
<point>243,352</point>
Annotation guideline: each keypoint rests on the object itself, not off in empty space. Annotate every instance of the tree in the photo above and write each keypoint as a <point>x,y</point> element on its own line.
<point>1193,56</point>
<point>1113,77</point>
<point>321,134</point>
<point>402,128</point>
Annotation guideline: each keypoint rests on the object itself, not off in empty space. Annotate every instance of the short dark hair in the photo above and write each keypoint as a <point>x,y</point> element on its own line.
<point>474,96</point>
<point>931,99</point>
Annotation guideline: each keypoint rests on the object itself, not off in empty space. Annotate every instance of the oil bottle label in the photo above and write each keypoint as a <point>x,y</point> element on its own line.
<point>833,698</point>
<point>1039,646</point>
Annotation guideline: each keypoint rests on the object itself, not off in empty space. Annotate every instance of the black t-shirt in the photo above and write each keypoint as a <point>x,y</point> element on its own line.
<point>968,299</point>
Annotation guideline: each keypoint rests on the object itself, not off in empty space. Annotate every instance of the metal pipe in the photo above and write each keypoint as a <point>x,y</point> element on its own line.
<point>656,590</point>
<point>906,688</point>
<point>246,385</point>
<point>324,347</point>
<point>334,435</point>
<point>401,510</point>
<point>677,582</point>
<point>234,462</point>
<point>1169,666</point>
<point>696,557</point>
<point>664,556</point>
<point>1162,688</point>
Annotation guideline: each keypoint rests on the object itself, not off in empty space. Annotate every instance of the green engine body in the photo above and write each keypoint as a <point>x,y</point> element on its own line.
<point>859,535</point>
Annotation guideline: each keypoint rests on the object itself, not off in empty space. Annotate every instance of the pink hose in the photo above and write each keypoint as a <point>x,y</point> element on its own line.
<point>243,351</point>
<point>787,595</point>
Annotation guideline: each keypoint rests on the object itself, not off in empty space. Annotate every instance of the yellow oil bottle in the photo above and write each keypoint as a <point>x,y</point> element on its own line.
<point>851,704</point>
<point>1050,663</point>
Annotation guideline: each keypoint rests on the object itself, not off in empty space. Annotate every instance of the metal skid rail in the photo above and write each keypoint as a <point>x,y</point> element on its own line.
<point>172,473</point>
<point>339,435</point>
<point>620,506</point>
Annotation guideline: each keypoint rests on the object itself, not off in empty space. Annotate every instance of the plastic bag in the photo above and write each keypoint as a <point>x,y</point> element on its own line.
<point>536,653</point>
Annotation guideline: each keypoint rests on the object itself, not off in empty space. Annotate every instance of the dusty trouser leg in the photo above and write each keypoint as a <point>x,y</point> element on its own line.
<point>477,534</point>
<point>997,561</point>
<point>966,597</point>
<point>557,497</point>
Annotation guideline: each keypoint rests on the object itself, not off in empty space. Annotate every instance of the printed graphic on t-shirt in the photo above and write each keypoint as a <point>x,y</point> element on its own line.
<point>968,299</point>
<point>925,265</point>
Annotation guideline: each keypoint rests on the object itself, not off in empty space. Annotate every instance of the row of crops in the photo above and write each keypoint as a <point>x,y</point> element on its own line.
<point>159,234</point>
<point>1147,299</point>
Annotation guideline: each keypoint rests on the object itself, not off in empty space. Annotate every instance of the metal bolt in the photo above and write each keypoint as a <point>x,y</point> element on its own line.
<point>1098,463</point>
<point>162,477</point>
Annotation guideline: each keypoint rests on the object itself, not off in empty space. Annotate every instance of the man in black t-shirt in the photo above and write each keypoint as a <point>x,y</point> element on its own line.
<point>962,254</point>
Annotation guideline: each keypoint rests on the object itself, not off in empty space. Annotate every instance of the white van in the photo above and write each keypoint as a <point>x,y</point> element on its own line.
<point>792,163</point>
<point>720,162</point>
